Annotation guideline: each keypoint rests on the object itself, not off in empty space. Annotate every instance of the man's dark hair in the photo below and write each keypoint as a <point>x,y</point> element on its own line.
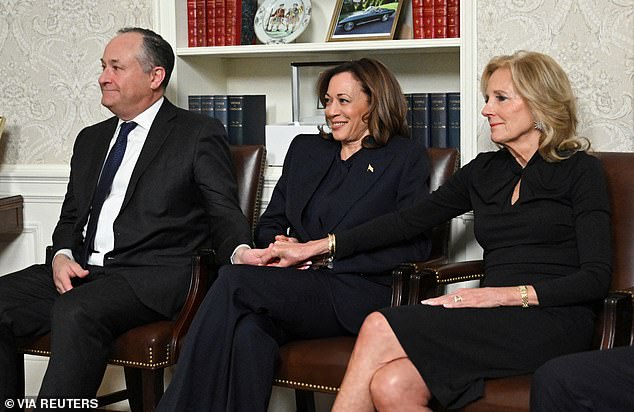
<point>154,52</point>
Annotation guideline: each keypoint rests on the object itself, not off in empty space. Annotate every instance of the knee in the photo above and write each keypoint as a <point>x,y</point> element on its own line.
<point>232,277</point>
<point>69,314</point>
<point>386,389</point>
<point>393,387</point>
<point>375,326</point>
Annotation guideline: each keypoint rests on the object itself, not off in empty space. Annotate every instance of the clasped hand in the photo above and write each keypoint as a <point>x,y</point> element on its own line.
<point>284,252</point>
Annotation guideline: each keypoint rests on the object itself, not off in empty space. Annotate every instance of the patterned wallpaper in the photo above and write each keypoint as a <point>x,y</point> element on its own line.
<point>49,64</point>
<point>594,43</point>
<point>50,50</point>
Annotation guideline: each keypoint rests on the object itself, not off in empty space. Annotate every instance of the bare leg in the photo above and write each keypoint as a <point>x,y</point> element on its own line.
<point>376,347</point>
<point>398,386</point>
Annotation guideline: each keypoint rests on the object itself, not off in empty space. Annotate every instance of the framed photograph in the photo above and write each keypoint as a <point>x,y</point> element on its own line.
<point>364,20</point>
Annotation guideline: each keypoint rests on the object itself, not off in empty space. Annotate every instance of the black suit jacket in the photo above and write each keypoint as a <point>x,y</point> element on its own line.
<point>381,180</point>
<point>181,197</point>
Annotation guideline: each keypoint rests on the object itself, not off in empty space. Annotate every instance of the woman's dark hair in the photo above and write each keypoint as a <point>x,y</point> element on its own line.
<point>155,52</point>
<point>387,113</point>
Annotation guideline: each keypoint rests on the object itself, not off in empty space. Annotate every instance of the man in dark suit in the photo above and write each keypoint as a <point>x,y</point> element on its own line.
<point>147,189</point>
<point>599,380</point>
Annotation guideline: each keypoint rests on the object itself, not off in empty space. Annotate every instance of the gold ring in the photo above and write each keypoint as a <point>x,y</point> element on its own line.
<point>457,298</point>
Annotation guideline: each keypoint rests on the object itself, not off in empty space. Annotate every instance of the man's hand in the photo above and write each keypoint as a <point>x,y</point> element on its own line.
<point>64,269</point>
<point>247,256</point>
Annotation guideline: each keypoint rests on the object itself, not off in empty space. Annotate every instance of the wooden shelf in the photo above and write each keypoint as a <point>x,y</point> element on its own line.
<point>376,46</point>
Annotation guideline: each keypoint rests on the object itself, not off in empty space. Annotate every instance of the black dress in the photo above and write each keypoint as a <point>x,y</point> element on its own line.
<point>556,237</point>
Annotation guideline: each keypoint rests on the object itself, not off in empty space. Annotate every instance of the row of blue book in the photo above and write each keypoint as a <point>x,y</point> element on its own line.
<point>434,118</point>
<point>243,116</point>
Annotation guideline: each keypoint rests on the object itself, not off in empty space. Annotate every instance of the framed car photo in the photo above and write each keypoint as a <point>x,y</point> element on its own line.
<point>364,20</point>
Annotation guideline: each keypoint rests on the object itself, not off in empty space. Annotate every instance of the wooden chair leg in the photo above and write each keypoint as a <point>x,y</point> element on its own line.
<point>20,376</point>
<point>145,388</point>
<point>134,386</point>
<point>304,401</point>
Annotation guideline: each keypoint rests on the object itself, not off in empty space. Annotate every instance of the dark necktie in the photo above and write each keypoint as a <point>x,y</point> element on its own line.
<point>110,168</point>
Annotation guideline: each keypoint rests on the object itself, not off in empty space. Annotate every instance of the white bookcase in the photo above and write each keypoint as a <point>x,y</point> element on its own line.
<point>435,65</point>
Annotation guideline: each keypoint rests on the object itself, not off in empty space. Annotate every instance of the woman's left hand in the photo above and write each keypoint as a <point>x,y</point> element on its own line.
<point>477,298</point>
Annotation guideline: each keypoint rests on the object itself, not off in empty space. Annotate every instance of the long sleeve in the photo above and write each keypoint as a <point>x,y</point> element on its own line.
<point>591,214</point>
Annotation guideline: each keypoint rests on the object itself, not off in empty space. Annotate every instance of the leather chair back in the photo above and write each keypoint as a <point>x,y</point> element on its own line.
<point>444,163</point>
<point>619,173</point>
<point>248,162</point>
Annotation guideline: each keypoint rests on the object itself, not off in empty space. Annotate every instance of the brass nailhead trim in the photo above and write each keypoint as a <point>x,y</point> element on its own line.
<point>149,364</point>
<point>461,278</point>
<point>306,385</point>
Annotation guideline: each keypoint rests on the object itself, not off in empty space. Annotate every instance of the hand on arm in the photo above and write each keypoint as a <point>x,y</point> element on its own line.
<point>64,269</point>
<point>484,298</point>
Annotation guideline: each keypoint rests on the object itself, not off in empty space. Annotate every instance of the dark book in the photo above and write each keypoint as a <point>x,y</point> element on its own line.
<point>221,109</point>
<point>247,32</point>
<point>420,118</point>
<point>207,105</point>
<point>194,103</point>
<point>247,119</point>
<point>438,119</point>
<point>453,120</point>
<point>408,115</point>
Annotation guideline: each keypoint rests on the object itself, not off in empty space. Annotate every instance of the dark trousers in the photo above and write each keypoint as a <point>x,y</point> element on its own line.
<point>587,381</point>
<point>83,323</point>
<point>228,361</point>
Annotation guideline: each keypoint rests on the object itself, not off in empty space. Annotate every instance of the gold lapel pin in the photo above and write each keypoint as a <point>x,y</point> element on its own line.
<point>370,168</point>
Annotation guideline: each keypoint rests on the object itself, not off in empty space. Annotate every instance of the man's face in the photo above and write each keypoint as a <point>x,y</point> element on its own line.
<point>125,89</point>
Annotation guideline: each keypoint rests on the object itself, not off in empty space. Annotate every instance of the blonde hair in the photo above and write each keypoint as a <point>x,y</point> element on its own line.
<point>387,111</point>
<point>546,89</point>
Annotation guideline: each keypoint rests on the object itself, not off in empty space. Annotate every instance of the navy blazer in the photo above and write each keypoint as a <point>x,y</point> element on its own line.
<point>380,180</point>
<point>182,196</point>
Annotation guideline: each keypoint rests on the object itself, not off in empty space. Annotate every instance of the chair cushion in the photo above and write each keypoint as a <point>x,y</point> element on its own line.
<point>316,364</point>
<point>508,394</point>
<point>146,347</point>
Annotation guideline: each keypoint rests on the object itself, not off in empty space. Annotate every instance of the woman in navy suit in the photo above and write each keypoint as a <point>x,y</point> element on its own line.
<point>363,167</point>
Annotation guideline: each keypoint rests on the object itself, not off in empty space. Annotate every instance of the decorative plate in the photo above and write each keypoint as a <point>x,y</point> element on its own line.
<point>280,21</point>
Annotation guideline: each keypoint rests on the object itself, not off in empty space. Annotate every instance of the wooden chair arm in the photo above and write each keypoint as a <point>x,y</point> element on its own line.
<point>617,327</point>
<point>204,273</point>
<point>428,280</point>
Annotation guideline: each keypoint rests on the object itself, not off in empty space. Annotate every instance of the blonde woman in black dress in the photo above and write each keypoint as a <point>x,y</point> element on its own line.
<point>542,217</point>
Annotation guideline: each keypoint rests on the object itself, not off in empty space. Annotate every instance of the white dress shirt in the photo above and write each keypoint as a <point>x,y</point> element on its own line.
<point>104,236</point>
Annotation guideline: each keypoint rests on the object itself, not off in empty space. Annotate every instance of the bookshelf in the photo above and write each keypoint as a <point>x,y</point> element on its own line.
<point>428,65</point>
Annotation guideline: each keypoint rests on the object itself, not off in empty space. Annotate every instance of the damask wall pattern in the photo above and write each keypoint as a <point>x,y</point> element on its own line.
<point>49,65</point>
<point>594,43</point>
<point>50,50</point>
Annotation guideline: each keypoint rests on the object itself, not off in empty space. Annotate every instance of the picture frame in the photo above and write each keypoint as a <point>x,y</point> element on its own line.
<point>358,20</point>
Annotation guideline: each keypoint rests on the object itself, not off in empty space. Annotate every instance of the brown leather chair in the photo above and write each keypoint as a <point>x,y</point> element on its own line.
<point>318,365</point>
<point>614,324</point>
<point>146,351</point>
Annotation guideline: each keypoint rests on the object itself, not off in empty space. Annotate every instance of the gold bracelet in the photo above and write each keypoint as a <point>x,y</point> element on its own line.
<point>524,295</point>
<point>332,246</point>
